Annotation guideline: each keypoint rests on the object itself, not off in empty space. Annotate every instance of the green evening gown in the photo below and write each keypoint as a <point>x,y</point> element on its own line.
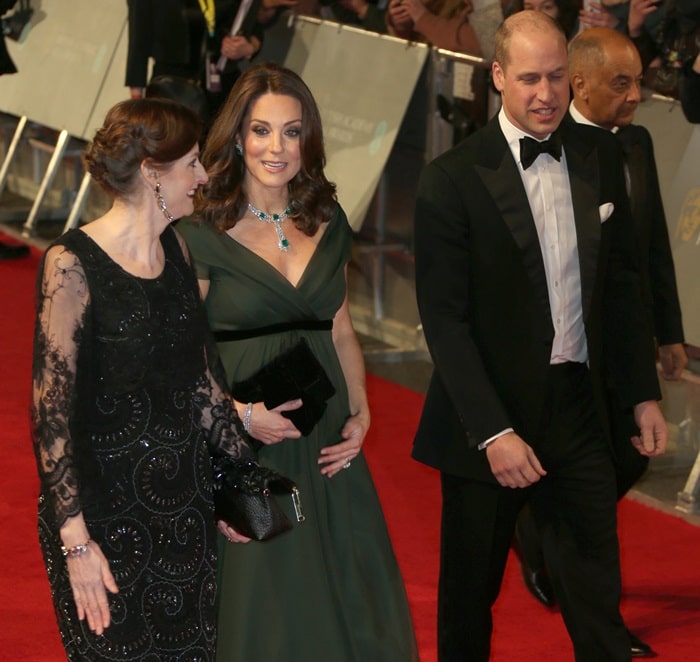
<point>330,589</point>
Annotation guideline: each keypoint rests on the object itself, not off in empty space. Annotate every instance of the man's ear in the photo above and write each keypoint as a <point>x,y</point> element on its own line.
<point>498,76</point>
<point>579,87</point>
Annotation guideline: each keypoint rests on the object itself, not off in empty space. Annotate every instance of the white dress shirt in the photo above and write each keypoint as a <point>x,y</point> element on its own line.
<point>580,119</point>
<point>548,191</point>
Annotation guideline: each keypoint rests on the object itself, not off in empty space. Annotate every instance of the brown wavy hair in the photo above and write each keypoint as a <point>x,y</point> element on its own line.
<point>222,202</point>
<point>158,131</point>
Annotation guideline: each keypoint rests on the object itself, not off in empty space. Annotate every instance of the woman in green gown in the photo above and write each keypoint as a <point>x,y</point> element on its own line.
<point>271,246</point>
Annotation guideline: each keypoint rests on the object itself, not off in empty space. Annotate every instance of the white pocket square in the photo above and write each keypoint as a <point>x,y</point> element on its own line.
<point>605,210</point>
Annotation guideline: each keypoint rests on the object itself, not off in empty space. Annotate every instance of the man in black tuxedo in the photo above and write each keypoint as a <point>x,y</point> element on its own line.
<point>605,71</point>
<point>530,298</point>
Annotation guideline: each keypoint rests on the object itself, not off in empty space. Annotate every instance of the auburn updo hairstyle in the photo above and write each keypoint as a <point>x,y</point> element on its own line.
<point>158,131</point>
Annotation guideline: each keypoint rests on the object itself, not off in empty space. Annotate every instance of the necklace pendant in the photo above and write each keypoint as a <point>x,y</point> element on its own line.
<point>276,220</point>
<point>282,241</point>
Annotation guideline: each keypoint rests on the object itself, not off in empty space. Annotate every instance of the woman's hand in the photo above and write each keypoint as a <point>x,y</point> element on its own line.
<point>639,10</point>
<point>339,456</point>
<point>269,426</point>
<point>407,9</point>
<point>359,7</point>
<point>89,576</point>
<point>598,17</point>
<point>231,534</point>
<point>237,48</point>
<point>399,20</point>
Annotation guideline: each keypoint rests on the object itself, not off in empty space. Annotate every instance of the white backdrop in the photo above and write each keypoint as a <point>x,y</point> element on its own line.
<point>71,65</point>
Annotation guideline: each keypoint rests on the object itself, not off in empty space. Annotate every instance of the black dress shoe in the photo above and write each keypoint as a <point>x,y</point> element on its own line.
<point>537,582</point>
<point>640,648</point>
<point>11,252</point>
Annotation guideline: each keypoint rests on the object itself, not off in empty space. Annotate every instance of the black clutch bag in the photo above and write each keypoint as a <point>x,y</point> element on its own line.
<point>295,373</point>
<point>244,497</point>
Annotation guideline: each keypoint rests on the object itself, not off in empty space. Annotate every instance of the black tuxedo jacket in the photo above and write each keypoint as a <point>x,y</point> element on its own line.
<point>655,256</point>
<point>483,297</point>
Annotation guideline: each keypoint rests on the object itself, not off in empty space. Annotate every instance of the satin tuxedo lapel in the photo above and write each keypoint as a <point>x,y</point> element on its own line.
<point>636,159</point>
<point>501,177</point>
<point>584,177</point>
<point>499,173</point>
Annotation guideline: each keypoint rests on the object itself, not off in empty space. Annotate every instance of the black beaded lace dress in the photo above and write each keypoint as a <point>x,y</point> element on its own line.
<point>124,409</point>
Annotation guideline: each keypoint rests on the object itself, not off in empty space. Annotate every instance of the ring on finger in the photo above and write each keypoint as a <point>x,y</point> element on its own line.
<point>346,465</point>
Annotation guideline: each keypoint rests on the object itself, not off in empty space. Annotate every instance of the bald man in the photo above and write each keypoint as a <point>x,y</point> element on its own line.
<point>529,293</point>
<point>605,71</point>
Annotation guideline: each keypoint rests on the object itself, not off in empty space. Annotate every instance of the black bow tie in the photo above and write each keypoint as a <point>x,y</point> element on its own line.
<point>530,149</point>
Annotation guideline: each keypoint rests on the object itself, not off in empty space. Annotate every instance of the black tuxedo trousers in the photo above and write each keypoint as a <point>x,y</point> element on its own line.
<point>574,506</point>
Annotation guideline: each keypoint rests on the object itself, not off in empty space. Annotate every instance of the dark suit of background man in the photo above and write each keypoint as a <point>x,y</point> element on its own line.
<point>605,71</point>
<point>690,90</point>
<point>528,290</point>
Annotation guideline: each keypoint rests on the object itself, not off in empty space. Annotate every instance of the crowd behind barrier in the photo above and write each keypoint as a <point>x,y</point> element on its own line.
<point>452,97</point>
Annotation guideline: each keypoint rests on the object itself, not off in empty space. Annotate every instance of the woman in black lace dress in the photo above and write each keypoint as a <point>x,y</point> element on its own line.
<point>125,408</point>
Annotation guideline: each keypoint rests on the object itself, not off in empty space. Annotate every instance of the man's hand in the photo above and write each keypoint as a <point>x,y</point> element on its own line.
<point>513,462</point>
<point>653,433</point>
<point>673,360</point>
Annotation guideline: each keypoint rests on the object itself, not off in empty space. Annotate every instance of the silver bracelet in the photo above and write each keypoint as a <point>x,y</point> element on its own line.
<point>246,416</point>
<point>77,550</point>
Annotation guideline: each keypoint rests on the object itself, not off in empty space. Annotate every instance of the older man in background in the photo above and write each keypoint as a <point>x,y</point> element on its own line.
<point>605,71</point>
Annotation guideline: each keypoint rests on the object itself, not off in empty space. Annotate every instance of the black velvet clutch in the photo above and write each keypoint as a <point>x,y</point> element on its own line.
<point>295,373</point>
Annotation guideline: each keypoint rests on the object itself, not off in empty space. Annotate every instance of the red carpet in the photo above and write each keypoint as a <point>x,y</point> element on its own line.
<point>660,555</point>
<point>660,552</point>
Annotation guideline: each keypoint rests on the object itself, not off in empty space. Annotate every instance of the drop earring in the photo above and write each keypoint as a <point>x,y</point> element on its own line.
<point>161,203</point>
<point>239,149</point>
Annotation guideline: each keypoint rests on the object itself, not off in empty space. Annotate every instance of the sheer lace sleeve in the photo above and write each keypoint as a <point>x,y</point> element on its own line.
<point>63,299</point>
<point>224,428</point>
